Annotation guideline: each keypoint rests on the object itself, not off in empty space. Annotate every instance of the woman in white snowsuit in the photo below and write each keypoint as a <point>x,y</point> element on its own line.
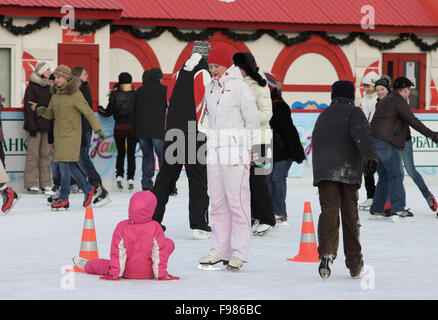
<point>233,124</point>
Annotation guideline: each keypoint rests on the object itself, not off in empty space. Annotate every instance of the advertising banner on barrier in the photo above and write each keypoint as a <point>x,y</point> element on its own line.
<point>104,153</point>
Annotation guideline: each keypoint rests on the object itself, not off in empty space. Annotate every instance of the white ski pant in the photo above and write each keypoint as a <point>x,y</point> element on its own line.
<point>230,202</point>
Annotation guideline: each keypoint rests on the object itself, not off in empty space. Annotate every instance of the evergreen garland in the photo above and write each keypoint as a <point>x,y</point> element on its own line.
<point>85,28</point>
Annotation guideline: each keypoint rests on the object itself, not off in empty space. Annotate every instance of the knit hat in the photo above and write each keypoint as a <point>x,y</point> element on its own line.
<point>370,78</point>
<point>125,78</point>
<point>344,89</point>
<point>272,83</point>
<point>63,71</point>
<point>384,81</point>
<point>221,55</point>
<point>402,82</point>
<point>201,47</point>
<point>246,61</point>
<point>41,67</point>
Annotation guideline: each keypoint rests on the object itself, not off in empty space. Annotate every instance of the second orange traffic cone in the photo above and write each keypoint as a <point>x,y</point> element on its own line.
<point>308,247</point>
<point>88,244</point>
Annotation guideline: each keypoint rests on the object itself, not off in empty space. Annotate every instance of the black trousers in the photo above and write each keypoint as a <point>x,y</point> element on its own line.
<point>261,202</point>
<point>197,179</point>
<point>370,186</point>
<point>122,151</point>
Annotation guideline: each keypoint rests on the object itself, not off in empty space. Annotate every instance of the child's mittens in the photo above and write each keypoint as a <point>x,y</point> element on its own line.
<point>169,277</point>
<point>40,110</point>
<point>109,278</point>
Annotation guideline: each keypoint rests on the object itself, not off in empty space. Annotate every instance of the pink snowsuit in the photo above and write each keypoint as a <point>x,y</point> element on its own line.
<point>139,249</point>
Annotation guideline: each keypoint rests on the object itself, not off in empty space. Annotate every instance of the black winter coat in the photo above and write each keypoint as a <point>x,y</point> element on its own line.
<point>286,140</point>
<point>150,105</point>
<point>38,91</point>
<point>85,89</point>
<point>341,142</point>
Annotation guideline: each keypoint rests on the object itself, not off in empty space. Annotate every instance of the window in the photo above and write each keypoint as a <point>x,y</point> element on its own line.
<point>5,77</point>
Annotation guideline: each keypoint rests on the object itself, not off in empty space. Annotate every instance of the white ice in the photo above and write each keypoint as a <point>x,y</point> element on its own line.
<point>37,243</point>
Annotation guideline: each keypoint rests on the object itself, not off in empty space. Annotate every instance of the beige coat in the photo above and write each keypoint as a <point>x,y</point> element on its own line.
<point>264,105</point>
<point>66,105</point>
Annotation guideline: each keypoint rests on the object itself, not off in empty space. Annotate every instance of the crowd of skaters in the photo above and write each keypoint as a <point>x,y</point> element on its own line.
<point>217,90</point>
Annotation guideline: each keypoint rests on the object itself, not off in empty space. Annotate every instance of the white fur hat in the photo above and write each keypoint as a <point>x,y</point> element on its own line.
<point>370,78</point>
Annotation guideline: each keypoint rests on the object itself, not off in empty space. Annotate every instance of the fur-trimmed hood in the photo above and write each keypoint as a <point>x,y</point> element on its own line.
<point>35,78</point>
<point>70,87</point>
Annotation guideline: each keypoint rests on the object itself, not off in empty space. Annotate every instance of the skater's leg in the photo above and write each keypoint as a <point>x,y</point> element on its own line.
<point>328,223</point>
<point>408,161</point>
<point>132,144</point>
<point>121,152</point>
<point>278,178</point>
<point>98,266</point>
<point>147,162</point>
<point>350,226</point>
<point>198,196</point>
<point>220,214</point>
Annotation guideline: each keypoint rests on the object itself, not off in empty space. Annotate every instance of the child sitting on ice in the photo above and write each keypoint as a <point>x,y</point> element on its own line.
<point>139,248</point>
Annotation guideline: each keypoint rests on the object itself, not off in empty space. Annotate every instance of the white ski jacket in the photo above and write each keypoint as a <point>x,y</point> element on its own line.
<point>233,117</point>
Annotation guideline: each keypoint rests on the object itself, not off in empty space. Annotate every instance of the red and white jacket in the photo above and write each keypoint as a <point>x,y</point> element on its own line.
<point>201,79</point>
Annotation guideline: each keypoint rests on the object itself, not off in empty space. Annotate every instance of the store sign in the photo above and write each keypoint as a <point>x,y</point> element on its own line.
<point>425,150</point>
<point>73,36</point>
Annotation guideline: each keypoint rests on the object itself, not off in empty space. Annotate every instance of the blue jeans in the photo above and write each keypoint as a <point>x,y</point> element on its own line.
<point>147,146</point>
<point>277,179</point>
<point>56,175</point>
<point>390,184</point>
<point>86,164</point>
<point>68,171</point>
<point>408,161</point>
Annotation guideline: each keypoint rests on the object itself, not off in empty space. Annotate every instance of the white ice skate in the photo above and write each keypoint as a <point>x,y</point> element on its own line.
<point>130,184</point>
<point>199,234</point>
<point>403,216</point>
<point>212,263</point>
<point>80,262</point>
<point>254,226</point>
<point>263,229</point>
<point>234,264</point>
<point>281,221</point>
<point>119,181</point>
<point>366,204</point>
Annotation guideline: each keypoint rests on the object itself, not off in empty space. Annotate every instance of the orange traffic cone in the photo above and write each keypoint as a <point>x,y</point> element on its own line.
<point>88,245</point>
<point>308,247</point>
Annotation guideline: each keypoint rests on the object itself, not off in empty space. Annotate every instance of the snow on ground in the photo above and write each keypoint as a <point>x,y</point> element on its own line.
<point>37,243</point>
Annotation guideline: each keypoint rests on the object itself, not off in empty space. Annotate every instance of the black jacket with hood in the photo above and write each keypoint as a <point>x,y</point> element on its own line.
<point>149,113</point>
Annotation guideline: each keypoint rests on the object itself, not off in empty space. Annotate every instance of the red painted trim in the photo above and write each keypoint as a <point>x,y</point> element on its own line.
<point>316,45</point>
<point>106,14</point>
<point>306,111</point>
<point>185,54</point>
<point>138,47</point>
<point>12,109</point>
<point>272,26</point>
<point>306,88</point>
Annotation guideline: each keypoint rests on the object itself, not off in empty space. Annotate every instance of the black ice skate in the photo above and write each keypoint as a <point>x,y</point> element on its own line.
<point>324,267</point>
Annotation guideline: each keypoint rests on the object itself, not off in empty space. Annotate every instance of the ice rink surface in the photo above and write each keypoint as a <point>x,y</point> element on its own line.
<point>37,244</point>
